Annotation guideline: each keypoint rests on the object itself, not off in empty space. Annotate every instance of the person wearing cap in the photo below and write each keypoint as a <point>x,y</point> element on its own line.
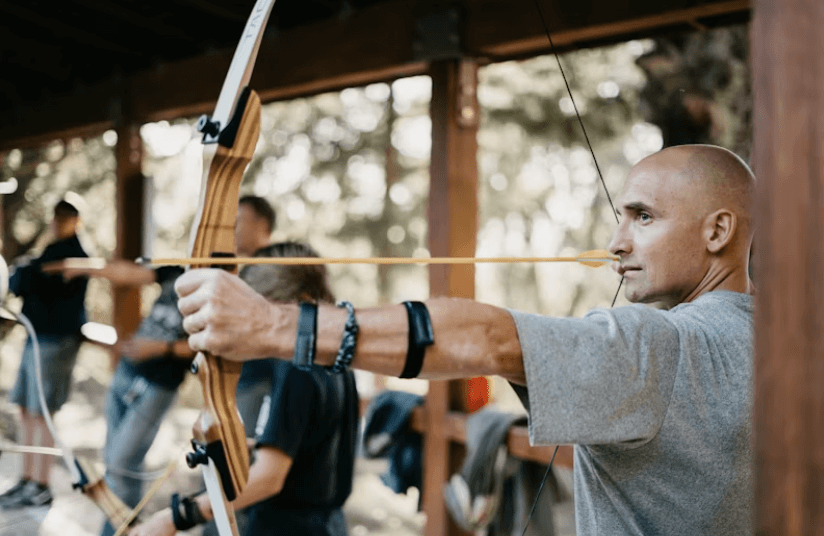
<point>56,309</point>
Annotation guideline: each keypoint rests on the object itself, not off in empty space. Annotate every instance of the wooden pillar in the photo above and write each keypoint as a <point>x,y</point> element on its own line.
<point>2,216</point>
<point>129,231</point>
<point>788,68</point>
<point>453,223</point>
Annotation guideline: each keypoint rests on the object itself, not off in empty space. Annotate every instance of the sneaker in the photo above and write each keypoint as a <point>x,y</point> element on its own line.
<point>12,492</point>
<point>32,494</point>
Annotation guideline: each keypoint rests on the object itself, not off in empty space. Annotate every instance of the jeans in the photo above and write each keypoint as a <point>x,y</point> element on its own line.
<point>134,410</point>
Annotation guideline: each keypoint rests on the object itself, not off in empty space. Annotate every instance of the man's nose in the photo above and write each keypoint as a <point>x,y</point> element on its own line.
<point>620,244</point>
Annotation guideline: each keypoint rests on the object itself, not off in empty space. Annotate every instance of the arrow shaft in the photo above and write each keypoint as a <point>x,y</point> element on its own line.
<point>375,260</point>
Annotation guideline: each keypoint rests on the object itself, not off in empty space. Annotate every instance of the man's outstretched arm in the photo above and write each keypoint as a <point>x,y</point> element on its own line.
<point>225,317</point>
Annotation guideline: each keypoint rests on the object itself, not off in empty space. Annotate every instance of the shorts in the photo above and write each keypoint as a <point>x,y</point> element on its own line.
<point>58,356</point>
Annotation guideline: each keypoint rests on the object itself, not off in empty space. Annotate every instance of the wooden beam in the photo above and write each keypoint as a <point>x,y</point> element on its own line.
<point>371,45</point>
<point>788,150</point>
<point>374,43</point>
<point>517,440</point>
<point>453,223</point>
<point>129,226</point>
<point>624,20</point>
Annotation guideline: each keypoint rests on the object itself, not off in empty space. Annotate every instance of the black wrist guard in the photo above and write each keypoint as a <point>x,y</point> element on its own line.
<point>421,335</point>
<point>186,513</point>
<point>307,334</point>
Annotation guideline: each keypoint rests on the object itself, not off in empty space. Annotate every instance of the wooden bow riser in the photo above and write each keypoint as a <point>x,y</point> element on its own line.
<point>220,423</point>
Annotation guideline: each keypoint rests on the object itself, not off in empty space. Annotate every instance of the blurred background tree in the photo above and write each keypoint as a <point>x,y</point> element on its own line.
<point>698,88</point>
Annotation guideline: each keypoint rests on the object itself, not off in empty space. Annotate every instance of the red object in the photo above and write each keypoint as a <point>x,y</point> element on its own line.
<point>477,393</point>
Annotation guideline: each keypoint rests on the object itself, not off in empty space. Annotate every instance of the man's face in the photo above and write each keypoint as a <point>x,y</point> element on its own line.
<point>64,227</point>
<point>250,231</point>
<point>659,239</point>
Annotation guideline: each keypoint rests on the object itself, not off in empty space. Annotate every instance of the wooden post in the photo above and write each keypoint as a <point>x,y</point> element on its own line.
<point>453,223</point>
<point>788,151</point>
<point>129,231</point>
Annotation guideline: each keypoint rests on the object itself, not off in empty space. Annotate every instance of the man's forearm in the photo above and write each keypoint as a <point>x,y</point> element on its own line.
<point>226,317</point>
<point>471,339</point>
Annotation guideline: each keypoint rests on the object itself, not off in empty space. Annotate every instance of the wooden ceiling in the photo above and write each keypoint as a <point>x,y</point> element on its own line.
<point>79,66</point>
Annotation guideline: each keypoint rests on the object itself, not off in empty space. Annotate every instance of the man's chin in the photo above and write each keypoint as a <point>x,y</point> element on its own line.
<point>636,295</point>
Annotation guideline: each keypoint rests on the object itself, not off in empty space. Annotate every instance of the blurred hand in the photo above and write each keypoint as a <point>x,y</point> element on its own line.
<point>123,272</point>
<point>224,316</point>
<point>160,524</point>
<point>71,267</point>
<point>140,349</point>
<point>118,271</point>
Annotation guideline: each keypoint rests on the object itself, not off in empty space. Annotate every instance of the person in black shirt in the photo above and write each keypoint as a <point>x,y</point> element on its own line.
<point>305,453</point>
<point>56,310</point>
<point>253,231</point>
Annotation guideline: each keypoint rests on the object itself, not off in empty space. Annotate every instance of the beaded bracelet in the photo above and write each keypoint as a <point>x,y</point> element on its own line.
<point>350,338</point>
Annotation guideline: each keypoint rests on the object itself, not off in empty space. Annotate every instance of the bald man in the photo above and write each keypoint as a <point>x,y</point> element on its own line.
<point>656,401</point>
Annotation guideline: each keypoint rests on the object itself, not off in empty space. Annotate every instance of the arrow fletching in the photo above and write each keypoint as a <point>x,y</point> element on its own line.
<point>596,258</point>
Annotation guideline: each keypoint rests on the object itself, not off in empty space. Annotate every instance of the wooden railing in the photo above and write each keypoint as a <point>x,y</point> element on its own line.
<point>517,441</point>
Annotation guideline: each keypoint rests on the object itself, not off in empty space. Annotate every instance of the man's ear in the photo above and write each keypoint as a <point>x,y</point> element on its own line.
<point>719,229</point>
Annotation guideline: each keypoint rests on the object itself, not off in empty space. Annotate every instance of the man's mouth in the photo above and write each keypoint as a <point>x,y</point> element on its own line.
<point>622,270</point>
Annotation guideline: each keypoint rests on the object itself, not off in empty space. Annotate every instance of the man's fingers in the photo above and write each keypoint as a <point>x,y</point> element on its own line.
<point>197,342</point>
<point>198,292</point>
<point>192,280</point>
<point>221,313</point>
<point>197,321</point>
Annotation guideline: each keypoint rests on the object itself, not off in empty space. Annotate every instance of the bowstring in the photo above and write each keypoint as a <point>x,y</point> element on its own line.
<point>554,52</point>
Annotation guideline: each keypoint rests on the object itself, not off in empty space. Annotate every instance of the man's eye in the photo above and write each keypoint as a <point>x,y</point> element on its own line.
<point>644,217</point>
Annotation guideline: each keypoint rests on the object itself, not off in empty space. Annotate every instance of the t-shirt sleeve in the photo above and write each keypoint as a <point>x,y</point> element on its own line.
<point>291,406</point>
<point>604,378</point>
<point>20,280</point>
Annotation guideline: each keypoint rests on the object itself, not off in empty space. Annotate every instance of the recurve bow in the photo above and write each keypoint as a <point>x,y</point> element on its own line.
<point>229,138</point>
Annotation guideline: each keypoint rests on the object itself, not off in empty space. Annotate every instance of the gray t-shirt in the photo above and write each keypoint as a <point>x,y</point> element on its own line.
<point>659,407</point>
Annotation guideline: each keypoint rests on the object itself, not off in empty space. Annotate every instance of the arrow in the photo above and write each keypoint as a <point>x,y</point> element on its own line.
<point>593,259</point>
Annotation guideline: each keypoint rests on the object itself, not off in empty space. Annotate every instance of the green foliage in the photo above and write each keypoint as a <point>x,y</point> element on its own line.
<point>698,88</point>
